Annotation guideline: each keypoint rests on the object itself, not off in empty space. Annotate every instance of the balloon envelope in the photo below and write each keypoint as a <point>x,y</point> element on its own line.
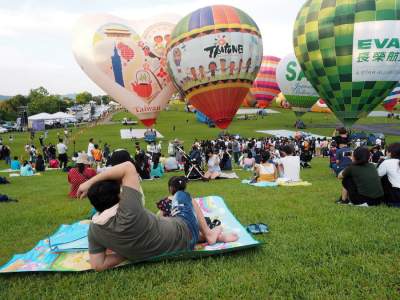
<point>265,88</point>
<point>297,90</point>
<point>320,107</point>
<point>214,55</point>
<point>130,68</point>
<point>249,100</point>
<point>282,102</point>
<point>347,49</point>
<point>391,101</point>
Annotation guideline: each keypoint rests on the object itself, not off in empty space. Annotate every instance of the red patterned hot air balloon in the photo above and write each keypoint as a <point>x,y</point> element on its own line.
<point>265,88</point>
<point>214,55</point>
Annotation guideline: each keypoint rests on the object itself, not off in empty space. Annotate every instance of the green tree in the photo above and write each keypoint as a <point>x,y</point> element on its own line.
<point>83,98</point>
<point>97,99</point>
<point>106,99</point>
<point>38,92</point>
<point>49,104</point>
<point>9,108</point>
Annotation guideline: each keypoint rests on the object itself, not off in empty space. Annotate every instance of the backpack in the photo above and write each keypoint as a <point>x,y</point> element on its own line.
<point>3,180</point>
<point>5,198</point>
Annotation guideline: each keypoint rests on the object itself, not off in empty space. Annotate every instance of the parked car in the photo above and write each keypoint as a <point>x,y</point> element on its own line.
<point>3,130</point>
<point>10,126</point>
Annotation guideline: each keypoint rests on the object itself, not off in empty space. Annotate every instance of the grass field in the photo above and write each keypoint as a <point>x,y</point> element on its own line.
<point>316,249</point>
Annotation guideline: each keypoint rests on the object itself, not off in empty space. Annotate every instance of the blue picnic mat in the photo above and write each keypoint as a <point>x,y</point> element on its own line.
<point>66,249</point>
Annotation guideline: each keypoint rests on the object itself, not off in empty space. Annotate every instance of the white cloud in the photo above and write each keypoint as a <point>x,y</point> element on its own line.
<point>35,40</point>
<point>17,23</point>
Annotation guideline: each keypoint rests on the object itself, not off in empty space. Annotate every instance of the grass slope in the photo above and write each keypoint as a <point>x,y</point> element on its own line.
<point>316,249</point>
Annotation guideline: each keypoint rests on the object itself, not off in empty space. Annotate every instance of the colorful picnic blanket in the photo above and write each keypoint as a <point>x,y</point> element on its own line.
<point>66,249</point>
<point>261,183</point>
<point>277,183</point>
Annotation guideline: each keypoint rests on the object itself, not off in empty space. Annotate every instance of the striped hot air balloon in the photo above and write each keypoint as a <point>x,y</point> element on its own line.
<point>265,88</point>
<point>391,101</point>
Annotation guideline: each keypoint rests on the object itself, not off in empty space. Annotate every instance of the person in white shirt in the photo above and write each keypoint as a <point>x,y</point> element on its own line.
<point>214,169</point>
<point>90,149</point>
<point>289,165</point>
<point>358,143</point>
<point>389,170</point>
<point>62,153</point>
<point>171,164</point>
<point>378,142</point>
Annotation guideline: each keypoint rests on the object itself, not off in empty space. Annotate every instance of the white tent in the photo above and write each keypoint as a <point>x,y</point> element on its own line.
<point>61,115</point>
<point>41,116</point>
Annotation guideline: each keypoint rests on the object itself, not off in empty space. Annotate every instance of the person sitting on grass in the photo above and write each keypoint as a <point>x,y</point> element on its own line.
<point>332,156</point>
<point>248,161</point>
<point>125,227</point>
<point>142,165</point>
<point>156,168</point>
<point>178,183</point>
<point>360,180</point>
<point>389,171</point>
<point>40,165</point>
<point>171,164</point>
<point>214,170</point>
<point>80,174</point>
<point>265,171</point>
<point>289,164</point>
<point>26,169</point>
<point>15,164</point>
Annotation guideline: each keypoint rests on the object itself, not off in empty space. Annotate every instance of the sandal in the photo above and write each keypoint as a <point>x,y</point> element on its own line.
<point>258,228</point>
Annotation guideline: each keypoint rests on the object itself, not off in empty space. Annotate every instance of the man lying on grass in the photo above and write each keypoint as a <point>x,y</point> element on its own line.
<point>132,232</point>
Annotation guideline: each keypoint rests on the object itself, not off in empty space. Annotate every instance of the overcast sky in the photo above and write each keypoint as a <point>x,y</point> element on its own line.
<point>35,36</point>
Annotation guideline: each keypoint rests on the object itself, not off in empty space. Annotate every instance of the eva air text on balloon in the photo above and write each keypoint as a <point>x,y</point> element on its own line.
<point>376,50</point>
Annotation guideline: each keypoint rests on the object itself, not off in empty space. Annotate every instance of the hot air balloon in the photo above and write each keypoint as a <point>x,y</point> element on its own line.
<point>265,88</point>
<point>214,55</point>
<point>249,100</point>
<point>349,51</point>
<point>132,69</point>
<point>295,86</point>
<point>320,107</point>
<point>282,102</point>
<point>391,101</point>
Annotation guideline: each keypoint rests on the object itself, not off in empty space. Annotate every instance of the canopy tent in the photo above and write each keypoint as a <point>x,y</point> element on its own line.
<point>41,116</point>
<point>61,116</point>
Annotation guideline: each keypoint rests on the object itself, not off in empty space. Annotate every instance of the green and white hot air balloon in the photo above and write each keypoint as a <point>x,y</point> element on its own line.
<point>350,52</point>
<point>297,90</point>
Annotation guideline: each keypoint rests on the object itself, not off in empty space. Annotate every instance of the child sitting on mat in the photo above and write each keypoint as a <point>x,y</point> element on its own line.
<point>210,231</point>
<point>265,171</point>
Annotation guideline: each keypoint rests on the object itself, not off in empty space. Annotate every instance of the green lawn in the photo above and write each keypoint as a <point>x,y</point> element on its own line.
<point>316,249</point>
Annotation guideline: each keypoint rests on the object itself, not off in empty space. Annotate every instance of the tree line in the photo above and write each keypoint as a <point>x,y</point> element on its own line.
<point>40,100</point>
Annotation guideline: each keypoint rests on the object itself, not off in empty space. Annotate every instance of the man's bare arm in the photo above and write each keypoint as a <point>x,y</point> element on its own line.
<point>125,172</point>
<point>102,261</point>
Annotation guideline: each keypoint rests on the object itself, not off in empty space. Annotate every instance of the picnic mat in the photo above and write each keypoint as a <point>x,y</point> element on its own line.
<point>66,250</point>
<point>277,183</point>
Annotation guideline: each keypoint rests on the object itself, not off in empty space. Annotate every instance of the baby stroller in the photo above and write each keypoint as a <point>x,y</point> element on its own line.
<point>192,168</point>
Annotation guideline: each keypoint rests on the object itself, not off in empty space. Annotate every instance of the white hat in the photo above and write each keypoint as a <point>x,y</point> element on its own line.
<point>83,159</point>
